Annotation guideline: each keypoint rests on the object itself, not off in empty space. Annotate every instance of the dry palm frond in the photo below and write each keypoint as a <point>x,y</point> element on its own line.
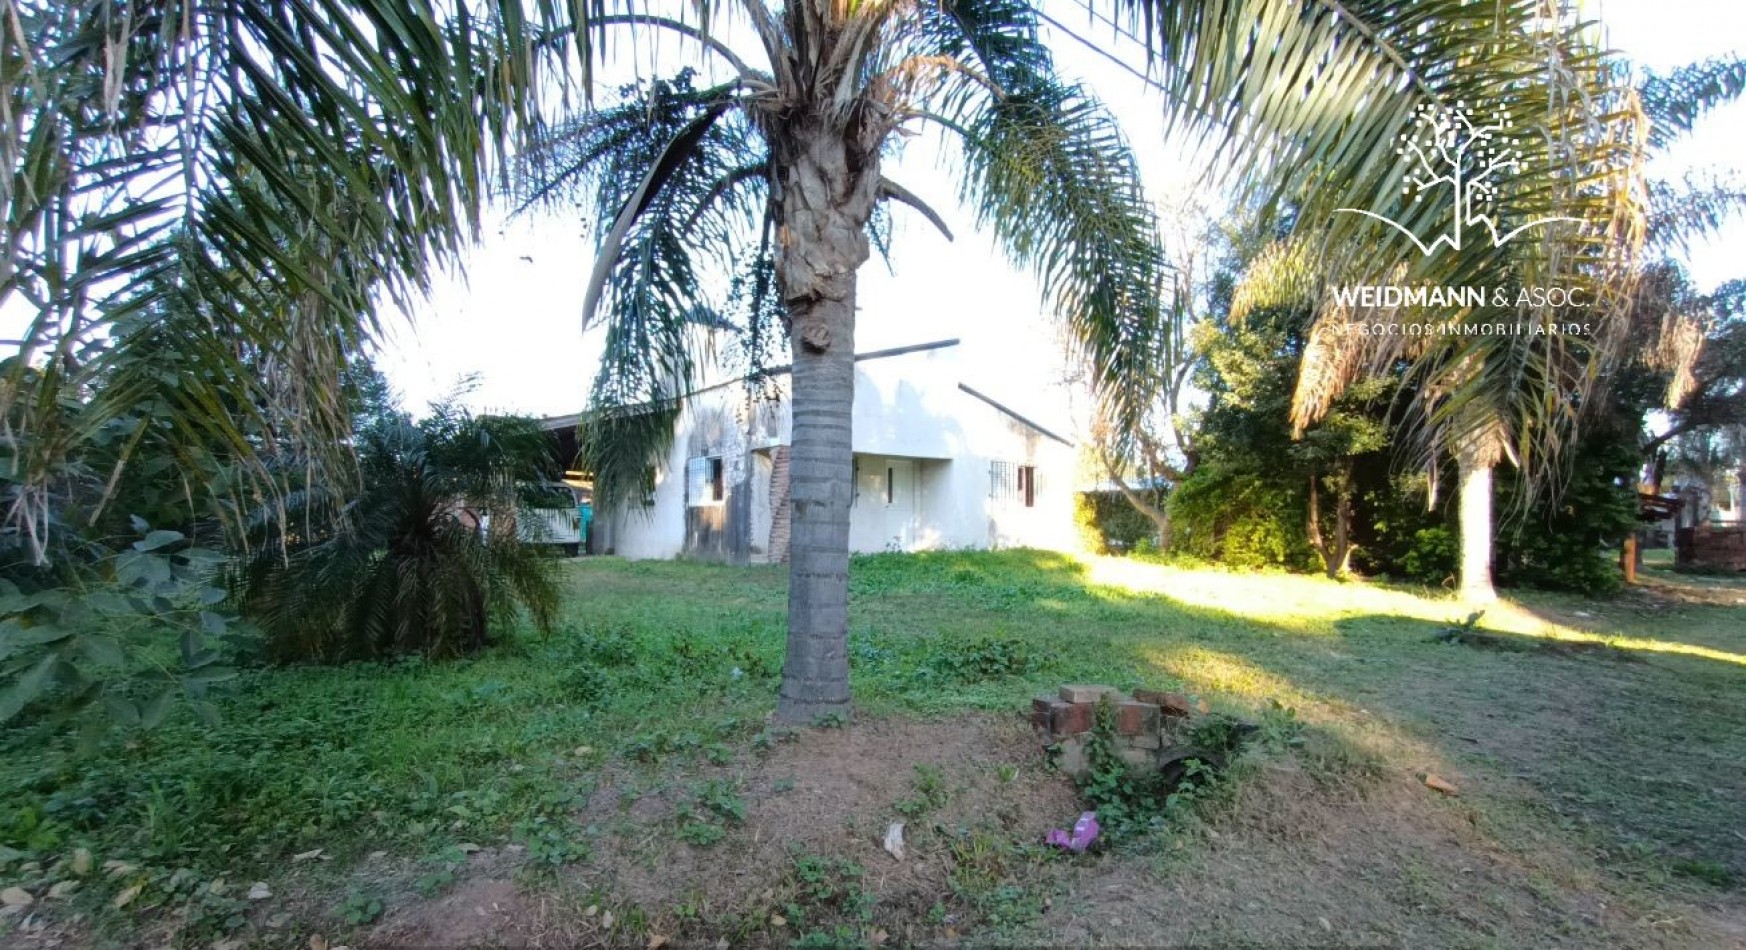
<point>1677,351</point>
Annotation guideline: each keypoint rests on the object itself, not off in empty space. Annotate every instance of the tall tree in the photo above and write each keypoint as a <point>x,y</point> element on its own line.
<point>1510,382</point>
<point>1163,447</point>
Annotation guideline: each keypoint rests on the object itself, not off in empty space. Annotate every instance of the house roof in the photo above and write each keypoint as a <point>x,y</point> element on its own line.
<point>557,423</point>
<point>570,420</point>
<point>1014,415</point>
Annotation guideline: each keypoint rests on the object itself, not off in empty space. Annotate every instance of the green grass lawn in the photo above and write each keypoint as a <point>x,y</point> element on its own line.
<point>1599,746</point>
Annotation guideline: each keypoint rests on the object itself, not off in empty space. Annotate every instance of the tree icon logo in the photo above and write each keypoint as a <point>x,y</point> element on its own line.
<point>1448,149</point>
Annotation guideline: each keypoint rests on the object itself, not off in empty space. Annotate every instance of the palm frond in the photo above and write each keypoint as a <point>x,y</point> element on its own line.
<point>1692,209</point>
<point>1313,100</point>
<point>676,182</point>
<point>1049,172</point>
<point>1676,100</point>
<point>277,165</point>
<point>411,567</point>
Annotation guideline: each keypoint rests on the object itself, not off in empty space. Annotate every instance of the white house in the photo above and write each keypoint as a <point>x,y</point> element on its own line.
<point>939,463</point>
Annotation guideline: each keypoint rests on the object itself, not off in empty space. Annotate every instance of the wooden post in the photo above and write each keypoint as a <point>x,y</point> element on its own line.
<point>1628,558</point>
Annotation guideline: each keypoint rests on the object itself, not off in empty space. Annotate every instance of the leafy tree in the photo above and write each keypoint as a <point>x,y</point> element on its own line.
<point>1565,545</point>
<point>1162,442</point>
<point>426,559</point>
<point>1703,426</point>
<point>1267,497</point>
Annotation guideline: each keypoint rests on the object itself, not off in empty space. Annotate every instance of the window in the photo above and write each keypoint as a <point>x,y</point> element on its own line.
<point>1011,483</point>
<point>705,481</point>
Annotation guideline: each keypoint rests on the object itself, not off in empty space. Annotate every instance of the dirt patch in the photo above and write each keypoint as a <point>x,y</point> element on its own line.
<point>1293,858</point>
<point>823,795</point>
<point>1294,864</point>
<point>833,792</point>
<point>480,911</point>
<point>1661,590</point>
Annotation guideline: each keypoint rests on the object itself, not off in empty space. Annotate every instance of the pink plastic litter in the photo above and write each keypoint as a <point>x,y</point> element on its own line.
<point>1084,833</point>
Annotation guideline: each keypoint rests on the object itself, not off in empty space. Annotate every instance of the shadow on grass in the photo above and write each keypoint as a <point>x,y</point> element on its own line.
<point>1645,758</point>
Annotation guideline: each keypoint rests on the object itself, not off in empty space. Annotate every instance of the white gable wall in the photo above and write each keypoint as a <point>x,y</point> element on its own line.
<point>913,425</point>
<point>965,513</point>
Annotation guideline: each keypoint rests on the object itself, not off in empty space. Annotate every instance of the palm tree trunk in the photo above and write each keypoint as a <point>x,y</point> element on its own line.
<point>826,201</point>
<point>1475,513</point>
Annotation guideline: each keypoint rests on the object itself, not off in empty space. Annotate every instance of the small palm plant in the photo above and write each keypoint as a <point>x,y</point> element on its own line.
<point>416,563</point>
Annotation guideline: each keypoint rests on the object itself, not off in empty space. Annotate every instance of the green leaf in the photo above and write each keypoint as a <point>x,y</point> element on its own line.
<point>206,711</point>
<point>212,595</point>
<point>91,733</point>
<point>133,567</point>
<point>28,687</point>
<point>103,650</point>
<point>123,711</point>
<point>158,539</point>
<point>206,675</point>
<point>109,602</point>
<point>212,623</point>
<point>160,705</point>
<point>38,635</point>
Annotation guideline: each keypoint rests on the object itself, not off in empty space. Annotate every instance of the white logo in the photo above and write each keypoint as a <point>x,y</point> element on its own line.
<point>1447,150</point>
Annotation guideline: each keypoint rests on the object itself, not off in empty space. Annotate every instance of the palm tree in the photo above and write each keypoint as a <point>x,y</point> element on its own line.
<point>781,169</point>
<point>781,164</point>
<point>1511,395</point>
<point>266,171</point>
<point>426,558</point>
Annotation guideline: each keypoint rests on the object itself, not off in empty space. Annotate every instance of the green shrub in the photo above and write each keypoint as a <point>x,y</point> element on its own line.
<point>982,659</point>
<point>1567,545</point>
<point>1130,800</point>
<point>1108,523</point>
<point>1240,520</point>
<point>1432,557</point>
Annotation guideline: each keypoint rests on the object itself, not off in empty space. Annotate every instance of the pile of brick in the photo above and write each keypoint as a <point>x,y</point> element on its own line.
<point>1709,548</point>
<point>1144,724</point>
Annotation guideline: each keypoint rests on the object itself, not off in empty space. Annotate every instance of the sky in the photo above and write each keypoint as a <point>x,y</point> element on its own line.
<point>514,317</point>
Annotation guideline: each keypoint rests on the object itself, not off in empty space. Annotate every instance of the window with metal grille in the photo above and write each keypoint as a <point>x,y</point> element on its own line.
<point>1012,484</point>
<point>1002,481</point>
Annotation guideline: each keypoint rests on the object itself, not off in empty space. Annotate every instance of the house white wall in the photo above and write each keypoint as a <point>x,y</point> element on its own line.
<point>925,448</point>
